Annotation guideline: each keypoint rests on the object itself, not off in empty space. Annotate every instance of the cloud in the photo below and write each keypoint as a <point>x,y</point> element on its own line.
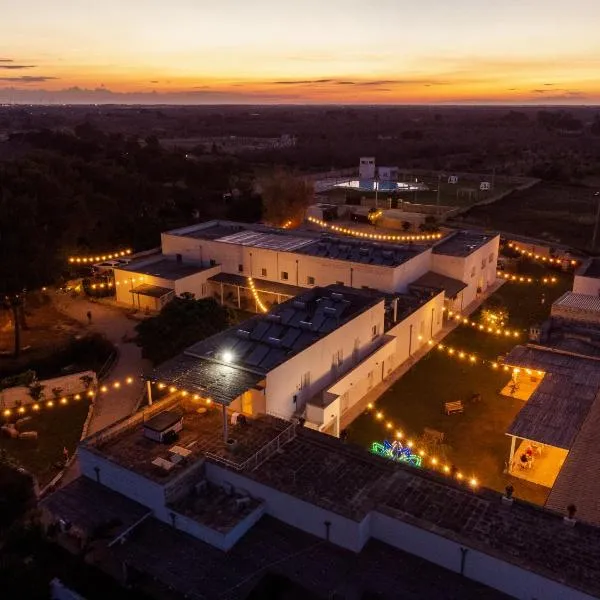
<point>303,82</point>
<point>28,79</point>
<point>17,67</point>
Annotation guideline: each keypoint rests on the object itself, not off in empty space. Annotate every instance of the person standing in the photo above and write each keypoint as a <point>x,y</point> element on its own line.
<point>89,317</point>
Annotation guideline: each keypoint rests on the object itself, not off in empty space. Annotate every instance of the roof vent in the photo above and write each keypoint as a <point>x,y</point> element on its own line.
<point>274,341</point>
<point>337,296</point>
<point>305,324</point>
<point>330,310</point>
<point>299,304</point>
<point>274,317</point>
<point>243,333</point>
<point>364,250</point>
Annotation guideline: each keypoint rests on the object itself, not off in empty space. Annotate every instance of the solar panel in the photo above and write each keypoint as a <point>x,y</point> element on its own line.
<point>259,352</point>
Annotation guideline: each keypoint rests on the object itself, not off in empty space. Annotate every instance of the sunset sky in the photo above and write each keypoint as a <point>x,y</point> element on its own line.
<point>326,51</point>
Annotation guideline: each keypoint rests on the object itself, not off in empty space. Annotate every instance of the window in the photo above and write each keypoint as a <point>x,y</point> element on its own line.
<point>374,331</point>
<point>310,280</point>
<point>263,272</point>
<point>240,268</point>
<point>491,258</point>
<point>213,262</point>
<point>473,272</point>
<point>284,275</point>
<point>337,358</point>
<point>483,264</point>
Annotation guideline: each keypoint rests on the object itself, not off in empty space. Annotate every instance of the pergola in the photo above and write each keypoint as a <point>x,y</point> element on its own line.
<point>213,380</point>
<point>241,286</point>
<point>554,411</point>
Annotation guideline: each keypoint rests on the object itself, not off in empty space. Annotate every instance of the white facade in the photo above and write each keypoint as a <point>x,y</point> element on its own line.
<point>127,280</point>
<point>388,173</point>
<point>366,167</point>
<point>293,383</point>
<point>478,270</point>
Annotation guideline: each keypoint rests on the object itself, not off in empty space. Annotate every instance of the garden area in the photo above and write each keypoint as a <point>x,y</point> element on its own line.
<point>57,428</point>
<point>474,441</point>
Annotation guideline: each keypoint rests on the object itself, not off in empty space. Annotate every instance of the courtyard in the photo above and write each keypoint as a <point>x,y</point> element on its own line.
<point>473,440</point>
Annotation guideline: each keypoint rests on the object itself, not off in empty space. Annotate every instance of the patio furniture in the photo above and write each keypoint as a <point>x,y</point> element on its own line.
<point>454,407</point>
<point>432,435</point>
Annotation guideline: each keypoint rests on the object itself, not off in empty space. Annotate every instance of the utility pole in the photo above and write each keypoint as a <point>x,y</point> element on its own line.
<point>594,239</point>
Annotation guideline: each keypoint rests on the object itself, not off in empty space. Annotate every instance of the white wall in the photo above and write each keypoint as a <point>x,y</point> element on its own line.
<point>478,269</point>
<point>586,285</point>
<point>493,572</point>
<point>295,512</point>
<point>284,381</point>
<point>411,270</point>
<point>426,323</point>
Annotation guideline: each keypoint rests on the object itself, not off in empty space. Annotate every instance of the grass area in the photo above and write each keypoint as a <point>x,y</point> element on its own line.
<point>475,440</point>
<point>58,427</point>
<point>559,213</point>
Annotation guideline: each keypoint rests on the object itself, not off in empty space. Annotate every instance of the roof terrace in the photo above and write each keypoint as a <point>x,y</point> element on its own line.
<point>127,445</point>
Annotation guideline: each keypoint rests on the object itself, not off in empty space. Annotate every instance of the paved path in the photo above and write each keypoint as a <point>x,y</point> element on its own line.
<point>373,395</point>
<point>114,324</point>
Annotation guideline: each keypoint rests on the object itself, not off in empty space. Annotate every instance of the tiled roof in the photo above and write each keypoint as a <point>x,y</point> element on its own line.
<point>571,300</point>
<point>577,481</point>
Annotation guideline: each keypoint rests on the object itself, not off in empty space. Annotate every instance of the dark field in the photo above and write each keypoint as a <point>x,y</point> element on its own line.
<point>558,213</point>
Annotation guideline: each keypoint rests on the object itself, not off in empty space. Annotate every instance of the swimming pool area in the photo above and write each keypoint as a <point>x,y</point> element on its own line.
<point>373,185</point>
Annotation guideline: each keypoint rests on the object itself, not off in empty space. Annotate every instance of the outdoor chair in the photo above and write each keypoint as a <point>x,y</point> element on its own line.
<point>454,407</point>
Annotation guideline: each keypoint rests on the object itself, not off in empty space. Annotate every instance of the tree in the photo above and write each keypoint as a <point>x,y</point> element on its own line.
<point>285,197</point>
<point>182,322</point>
<point>35,391</point>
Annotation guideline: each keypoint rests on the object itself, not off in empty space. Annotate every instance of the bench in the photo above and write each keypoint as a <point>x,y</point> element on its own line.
<point>433,435</point>
<point>454,407</point>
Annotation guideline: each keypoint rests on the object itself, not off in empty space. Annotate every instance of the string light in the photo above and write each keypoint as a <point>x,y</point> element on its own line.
<point>381,237</point>
<point>260,305</point>
<point>492,329</point>
<point>522,279</point>
<point>540,257</point>
<point>406,452</point>
<point>286,225</point>
<point>99,257</point>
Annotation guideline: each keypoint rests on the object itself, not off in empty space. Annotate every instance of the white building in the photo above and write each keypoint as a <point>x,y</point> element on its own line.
<point>314,356</point>
<point>366,167</point>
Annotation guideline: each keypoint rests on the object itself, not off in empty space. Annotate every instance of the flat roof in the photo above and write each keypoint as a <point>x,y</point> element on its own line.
<point>360,251</point>
<point>270,287</point>
<point>167,268</point>
<point>89,505</point>
<point>309,243</point>
<point>202,433</point>
<point>462,243</point>
<point>436,281</point>
<point>590,268</point>
<point>582,302</point>
<point>199,570</point>
<point>152,291</point>
<point>265,341</point>
<point>212,379</point>
<point>372,185</point>
<point>558,407</point>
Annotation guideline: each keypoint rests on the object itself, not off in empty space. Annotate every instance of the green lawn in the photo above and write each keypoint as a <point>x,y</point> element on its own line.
<point>58,427</point>
<point>475,440</point>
